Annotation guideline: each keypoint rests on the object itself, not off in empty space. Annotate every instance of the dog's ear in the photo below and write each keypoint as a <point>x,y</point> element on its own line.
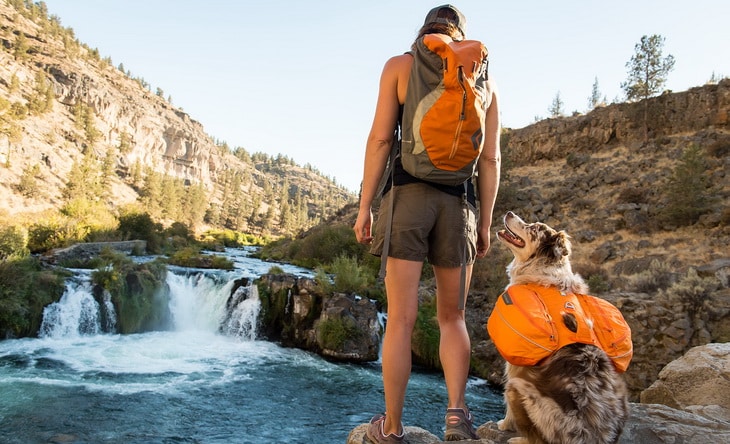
<point>561,246</point>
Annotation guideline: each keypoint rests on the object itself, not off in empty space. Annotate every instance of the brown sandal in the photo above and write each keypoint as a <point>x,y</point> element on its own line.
<point>376,434</point>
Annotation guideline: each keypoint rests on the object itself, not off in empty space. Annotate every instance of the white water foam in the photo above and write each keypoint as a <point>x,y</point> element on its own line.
<point>76,313</point>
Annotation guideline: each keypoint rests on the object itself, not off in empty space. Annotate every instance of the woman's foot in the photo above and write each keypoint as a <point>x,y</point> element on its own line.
<point>459,425</point>
<point>376,432</point>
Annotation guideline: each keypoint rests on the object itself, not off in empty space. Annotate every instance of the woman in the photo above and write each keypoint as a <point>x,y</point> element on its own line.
<point>428,222</point>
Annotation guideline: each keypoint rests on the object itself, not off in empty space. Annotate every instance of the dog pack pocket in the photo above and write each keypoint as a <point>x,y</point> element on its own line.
<point>521,328</point>
<point>611,329</point>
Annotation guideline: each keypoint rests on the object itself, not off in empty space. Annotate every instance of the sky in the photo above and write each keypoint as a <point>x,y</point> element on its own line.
<point>300,78</point>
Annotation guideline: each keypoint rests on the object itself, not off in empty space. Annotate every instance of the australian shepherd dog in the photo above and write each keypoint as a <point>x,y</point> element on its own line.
<point>575,396</point>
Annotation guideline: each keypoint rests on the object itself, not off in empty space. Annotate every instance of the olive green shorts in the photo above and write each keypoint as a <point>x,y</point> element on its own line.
<point>427,224</point>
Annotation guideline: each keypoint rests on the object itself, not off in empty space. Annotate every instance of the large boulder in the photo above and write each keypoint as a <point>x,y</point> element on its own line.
<point>295,312</point>
<point>698,382</point>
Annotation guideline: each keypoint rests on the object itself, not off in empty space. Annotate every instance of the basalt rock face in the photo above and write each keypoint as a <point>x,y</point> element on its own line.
<point>338,326</point>
<point>158,133</point>
<point>623,124</point>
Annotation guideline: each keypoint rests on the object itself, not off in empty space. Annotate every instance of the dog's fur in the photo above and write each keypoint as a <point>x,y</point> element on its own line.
<point>574,396</point>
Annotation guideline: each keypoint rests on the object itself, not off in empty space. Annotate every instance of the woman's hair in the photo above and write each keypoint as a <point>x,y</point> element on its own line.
<point>448,28</point>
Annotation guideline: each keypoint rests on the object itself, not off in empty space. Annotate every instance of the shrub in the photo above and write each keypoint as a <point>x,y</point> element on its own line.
<point>28,185</point>
<point>692,292</point>
<point>334,332</point>
<point>490,274</point>
<point>55,232</point>
<point>595,276</point>
<point>191,257</point>
<point>13,242</point>
<point>657,277</point>
<point>349,276</point>
<point>426,335</point>
<point>25,289</point>
<point>135,291</point>
<point>319,247</point>
<point>231,238</point>
<point>633,195</point>
<point>686,192</point>
<point>324,281</point>
<point>141,226</point>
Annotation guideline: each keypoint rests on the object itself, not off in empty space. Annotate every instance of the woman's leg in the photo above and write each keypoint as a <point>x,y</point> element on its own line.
<point>455,346</point>
<point>401,286</point>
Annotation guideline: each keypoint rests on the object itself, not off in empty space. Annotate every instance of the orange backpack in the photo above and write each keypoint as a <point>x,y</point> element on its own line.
<point>443,114</point>
<point>526,325</point>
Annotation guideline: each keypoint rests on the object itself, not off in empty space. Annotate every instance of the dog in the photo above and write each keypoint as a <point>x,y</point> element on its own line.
<point>574,396</point>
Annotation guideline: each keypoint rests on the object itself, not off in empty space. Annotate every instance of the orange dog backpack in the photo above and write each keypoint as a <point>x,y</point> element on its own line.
<point>526,325</point>
<point>442,130</point>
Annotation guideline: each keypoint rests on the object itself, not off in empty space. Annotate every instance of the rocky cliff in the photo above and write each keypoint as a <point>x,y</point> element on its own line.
<point>61,100</point>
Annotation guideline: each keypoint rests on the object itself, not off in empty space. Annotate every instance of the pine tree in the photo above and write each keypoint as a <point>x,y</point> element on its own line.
<point>687,190</point>
<point>20,51</point>
<point>556,108</point>
<point>648,70</point>
<point>595,99</point>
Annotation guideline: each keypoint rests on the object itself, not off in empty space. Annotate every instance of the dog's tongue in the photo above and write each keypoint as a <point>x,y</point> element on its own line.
<point>510,237</point>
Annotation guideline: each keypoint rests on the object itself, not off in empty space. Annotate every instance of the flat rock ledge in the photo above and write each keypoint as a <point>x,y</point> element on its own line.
<point>648,424</point>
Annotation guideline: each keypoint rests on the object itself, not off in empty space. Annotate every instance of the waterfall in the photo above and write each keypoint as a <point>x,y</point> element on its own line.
<point>77,312</point>
<point>243,316</point>
<point>207,302</point>
<point>199,301</point>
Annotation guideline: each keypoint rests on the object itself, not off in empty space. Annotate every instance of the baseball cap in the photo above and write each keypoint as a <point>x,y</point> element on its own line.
<point>459,22</point>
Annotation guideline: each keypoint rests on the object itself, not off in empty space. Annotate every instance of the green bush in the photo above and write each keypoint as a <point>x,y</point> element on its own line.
<point>25,289</point>
<point>687,191</point>
<point>595,276</point>
<point>13,242</point>
<point>324,281</point>
<point>426,335</point>
<point>232,239</point>
<point>136,292</point>
<point>141,226</point>
<point>350,277</point>
<point>334,332</point>
<point>191,257</point>
<point>658,276</point>
<point>321,245</point>
<point>55,232</point>
<point>276,270</point>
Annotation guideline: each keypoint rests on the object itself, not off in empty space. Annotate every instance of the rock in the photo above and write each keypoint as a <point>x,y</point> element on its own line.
<point>414,435</point>
<point>655,424</point>
<point>355,316</point>
<point>648,424</point>
<point>89,250</point>
<point>698,382</point>
<point>338,326</point>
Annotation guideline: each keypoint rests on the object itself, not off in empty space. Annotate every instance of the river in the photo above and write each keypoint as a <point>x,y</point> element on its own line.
<point>194,384</point>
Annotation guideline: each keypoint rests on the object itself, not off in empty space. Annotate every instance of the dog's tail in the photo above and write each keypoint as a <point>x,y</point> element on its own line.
<point>579,398</point>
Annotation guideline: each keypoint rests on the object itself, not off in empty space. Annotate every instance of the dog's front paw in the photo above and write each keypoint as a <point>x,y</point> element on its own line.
<point>505,425</point>
<point>518,440</point>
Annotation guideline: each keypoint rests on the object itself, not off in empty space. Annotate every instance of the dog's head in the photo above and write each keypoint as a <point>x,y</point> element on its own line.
<point>542,254</point>
<point>536,240</point>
